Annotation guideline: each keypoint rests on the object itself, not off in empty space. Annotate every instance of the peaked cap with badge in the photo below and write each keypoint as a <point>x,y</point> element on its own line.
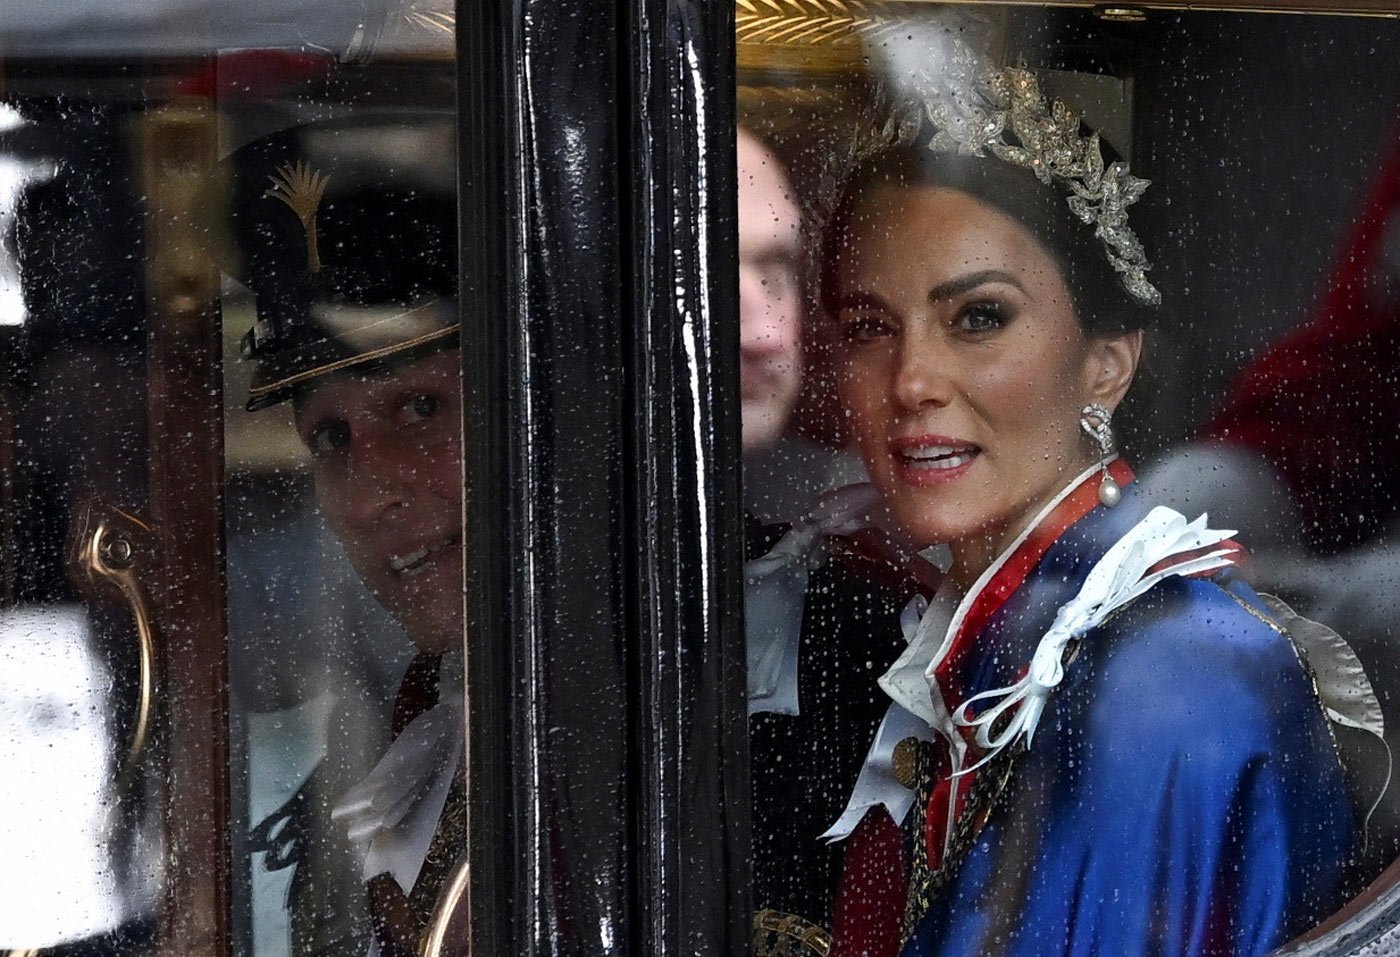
<point>345,231</point>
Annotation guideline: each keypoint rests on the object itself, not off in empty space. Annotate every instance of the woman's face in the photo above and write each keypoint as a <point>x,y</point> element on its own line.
<point>964,367</point>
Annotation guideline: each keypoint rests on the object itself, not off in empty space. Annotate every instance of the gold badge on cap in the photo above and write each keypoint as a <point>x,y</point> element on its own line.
<point>301,188</point>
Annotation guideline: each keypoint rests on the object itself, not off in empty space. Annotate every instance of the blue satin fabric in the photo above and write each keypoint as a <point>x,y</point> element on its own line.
<point>1182,795</point>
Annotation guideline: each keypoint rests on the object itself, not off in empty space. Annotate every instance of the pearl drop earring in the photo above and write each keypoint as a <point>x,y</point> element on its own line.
<point>1096,421</point>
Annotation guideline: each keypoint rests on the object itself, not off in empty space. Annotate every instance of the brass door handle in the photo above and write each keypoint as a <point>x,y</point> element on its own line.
<point>110,550</point>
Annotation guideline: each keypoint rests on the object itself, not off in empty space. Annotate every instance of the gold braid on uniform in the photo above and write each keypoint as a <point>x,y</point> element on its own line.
<point>402,922</point>
<point>915,767</point>
<point>446,849</point>
<point>988,787</point>
<point>776,934</point>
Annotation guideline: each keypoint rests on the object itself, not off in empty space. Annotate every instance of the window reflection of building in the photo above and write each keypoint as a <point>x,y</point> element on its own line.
<point>154,28</point>
<point>83,864</point>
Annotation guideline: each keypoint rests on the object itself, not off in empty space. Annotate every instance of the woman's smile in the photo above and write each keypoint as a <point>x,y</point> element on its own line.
<point>932,459</point>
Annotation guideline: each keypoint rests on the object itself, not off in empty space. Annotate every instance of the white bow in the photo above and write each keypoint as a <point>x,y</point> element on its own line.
<point>393,813</point>
<point>1119,577</point>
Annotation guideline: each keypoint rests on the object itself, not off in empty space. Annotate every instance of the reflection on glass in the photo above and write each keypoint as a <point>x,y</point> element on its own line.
<point>345,528</point>
<point>15,174</point>
<point>69,876</point>
<point>329,206</point>
<point>81,839</point>
<point>1005,695</point>
<point>169,28</point>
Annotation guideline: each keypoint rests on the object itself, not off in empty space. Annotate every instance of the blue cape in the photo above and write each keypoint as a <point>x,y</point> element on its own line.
<point>1183,795</point>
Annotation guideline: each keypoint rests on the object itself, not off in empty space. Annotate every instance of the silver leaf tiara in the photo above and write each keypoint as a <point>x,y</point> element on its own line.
<point>1003,112</point>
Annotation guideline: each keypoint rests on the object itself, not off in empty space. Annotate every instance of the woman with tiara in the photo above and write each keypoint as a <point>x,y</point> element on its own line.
<point>1099,740</point>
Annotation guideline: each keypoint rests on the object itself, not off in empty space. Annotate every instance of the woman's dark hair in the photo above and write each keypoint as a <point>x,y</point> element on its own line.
<point>1102,304</point>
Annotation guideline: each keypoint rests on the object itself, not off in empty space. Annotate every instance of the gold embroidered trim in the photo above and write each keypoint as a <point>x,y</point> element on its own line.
<point>988,787</point>
<point>776,934</point>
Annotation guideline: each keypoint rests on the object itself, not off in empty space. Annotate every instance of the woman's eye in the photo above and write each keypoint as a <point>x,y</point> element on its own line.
<point>424,406</point>
<point>859,328</point>
<point>981,317</point>
<point>328,437</point>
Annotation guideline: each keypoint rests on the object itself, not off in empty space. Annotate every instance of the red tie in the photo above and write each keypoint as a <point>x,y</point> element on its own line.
<point>396,927</point>
<point>418,690</point>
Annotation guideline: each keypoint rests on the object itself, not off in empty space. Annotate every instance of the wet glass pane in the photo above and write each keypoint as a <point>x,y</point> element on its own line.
<point>82,838</point>
<point>344,494</point>
<point>231,709</point>
<point>1068,379</point>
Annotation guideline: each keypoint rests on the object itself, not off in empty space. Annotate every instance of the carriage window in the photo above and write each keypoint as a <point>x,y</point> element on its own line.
<point>230,483</point>
<point>80,734</point>
<point>344,505</point>
<point>1068,381</point>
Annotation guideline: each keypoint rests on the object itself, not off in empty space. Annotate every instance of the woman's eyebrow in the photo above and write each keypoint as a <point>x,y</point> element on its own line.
<point>963,284</point>
<point>861,300</point>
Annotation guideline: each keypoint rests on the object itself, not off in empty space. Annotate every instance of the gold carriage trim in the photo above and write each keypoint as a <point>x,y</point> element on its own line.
<point>776,934</point>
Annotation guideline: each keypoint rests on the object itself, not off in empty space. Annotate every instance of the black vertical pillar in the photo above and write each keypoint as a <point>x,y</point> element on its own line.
<point>603,541</point>
<point>691,768</point>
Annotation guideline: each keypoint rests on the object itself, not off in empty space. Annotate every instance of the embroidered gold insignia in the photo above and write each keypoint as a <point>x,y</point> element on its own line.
<point>301,188</point>
<point>905,760</point>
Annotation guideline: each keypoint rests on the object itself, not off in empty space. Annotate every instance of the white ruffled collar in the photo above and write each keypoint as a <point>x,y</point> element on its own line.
<point>934,637</point>
<point>1162,545</point>
<point>392,815</point>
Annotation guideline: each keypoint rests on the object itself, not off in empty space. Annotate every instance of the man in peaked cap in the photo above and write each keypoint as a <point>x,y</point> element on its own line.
<point>346,234</point>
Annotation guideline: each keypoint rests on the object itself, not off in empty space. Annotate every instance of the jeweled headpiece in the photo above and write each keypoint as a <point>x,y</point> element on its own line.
<point>974,110</point>
<point>1006,115</point>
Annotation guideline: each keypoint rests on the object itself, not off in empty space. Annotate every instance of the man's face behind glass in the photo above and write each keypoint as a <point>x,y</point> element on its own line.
<point>770,294</point>
<point>387,458</point>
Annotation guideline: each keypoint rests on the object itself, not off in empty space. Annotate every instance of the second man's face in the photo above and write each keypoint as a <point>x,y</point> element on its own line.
<point>770,294</point>
<point>387,457</point>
